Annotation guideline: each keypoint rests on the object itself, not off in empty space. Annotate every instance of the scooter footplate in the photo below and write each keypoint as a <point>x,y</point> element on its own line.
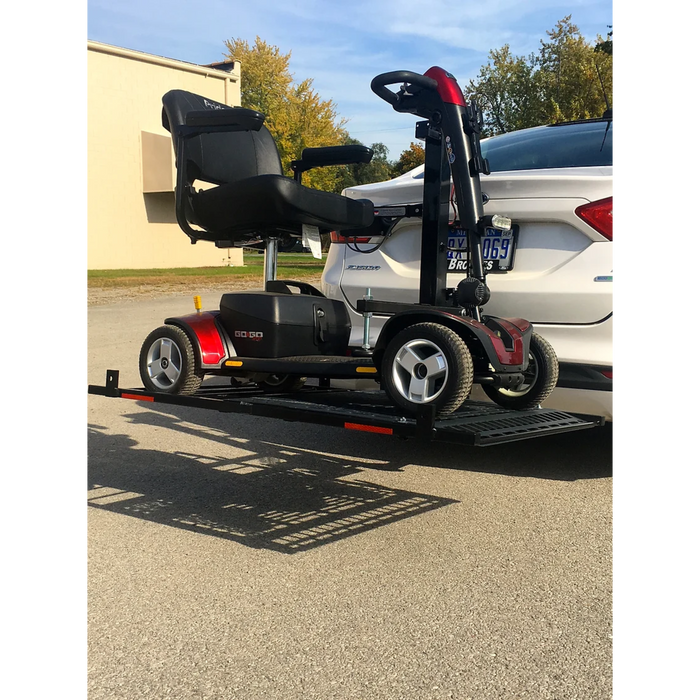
<point>333,366</point>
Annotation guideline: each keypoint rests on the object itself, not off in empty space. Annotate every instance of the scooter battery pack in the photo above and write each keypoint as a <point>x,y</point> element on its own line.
<point>268,324</point>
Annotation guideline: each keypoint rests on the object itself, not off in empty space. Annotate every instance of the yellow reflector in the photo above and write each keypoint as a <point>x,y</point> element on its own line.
<point>233,363</point>
<point>366,370</point>
<point>198,302</point>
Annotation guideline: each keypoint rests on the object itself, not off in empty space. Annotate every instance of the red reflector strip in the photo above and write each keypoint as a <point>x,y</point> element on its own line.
<point>137,397</point>
<point>607,374</point>
<point>369,428</point>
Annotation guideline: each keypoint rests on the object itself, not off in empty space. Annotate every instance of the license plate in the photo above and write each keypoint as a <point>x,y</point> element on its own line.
<point>497,248</point>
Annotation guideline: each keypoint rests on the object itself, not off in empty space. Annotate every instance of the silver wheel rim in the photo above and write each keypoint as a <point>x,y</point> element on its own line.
<point>164,363</point>
<point>420,371</point>
<point>531,374</point>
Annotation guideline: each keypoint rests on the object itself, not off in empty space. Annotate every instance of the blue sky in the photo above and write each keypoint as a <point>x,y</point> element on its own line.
<point>342,46</point>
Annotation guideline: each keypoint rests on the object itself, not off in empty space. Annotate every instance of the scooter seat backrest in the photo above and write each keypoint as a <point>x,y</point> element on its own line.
<point>224,157</point>
<point>277,286</point>
<point>251,198</point>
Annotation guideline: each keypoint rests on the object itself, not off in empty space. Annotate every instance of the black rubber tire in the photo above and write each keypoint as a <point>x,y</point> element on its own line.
<point>189,376</point>
<point>282,383</point>
<point>540,379</point>
<point>456,385</point>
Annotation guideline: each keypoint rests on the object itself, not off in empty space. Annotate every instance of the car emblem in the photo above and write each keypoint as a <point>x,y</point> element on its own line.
<point>485,197</point>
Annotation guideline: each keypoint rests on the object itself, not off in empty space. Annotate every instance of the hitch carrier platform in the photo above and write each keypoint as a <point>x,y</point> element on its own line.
<point>476,423</point>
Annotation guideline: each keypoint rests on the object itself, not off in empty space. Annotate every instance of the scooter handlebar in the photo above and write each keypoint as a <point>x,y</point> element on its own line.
<point>379,84</point>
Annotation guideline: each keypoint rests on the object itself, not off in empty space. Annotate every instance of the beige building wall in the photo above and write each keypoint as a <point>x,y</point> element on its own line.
<point>131,165</point>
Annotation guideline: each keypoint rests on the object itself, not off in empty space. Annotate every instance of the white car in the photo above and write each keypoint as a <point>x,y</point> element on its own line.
<point>555,183</point>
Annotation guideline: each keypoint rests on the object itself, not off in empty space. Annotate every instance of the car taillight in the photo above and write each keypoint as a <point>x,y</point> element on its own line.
<point>337,238</point>
<point>598,215</point>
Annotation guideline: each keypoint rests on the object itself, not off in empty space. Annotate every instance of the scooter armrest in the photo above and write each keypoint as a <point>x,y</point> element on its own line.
<point>332,155</point>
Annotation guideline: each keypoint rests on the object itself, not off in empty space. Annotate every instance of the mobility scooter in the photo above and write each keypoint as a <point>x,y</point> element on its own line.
<point>428,354</point>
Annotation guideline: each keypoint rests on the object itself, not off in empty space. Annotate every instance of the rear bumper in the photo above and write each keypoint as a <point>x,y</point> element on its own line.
<point>584,402</point>
<point>585,385</point>
<point>588,377</point>
<point>588,345</point>
<point>585,358</point>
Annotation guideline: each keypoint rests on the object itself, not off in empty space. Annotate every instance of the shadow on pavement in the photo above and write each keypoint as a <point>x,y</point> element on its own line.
<point>284,489</point>
<point>269,497</point>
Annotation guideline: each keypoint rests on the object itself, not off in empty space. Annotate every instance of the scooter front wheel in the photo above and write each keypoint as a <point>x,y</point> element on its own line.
<point>541,377</point>
<point>425,364</point>
<point>167,362</point>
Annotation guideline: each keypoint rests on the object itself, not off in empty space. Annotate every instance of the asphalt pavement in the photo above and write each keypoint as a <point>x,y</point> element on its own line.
<point>233,557</point>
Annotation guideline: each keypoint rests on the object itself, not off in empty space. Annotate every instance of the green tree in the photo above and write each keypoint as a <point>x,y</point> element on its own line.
<point>567,79</point>
<point>508,91</point>
<point>605,46</point>
<point>609,47</point>
<point>295,114</point>
<point>571,72</point>
<point>411,158</point>
<point>378,169</point>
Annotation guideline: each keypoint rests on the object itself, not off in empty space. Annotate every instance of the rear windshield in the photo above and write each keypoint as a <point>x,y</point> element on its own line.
<point>562,146</point>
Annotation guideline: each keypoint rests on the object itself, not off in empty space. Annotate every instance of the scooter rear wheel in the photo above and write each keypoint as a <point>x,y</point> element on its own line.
<point>167,362</point>
<point>541,377</point>
<point>427,363</point>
